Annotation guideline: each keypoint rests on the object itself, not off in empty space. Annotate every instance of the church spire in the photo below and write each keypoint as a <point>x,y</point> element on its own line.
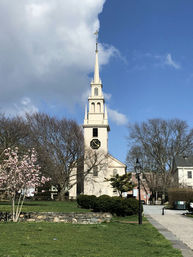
<point>96,71</point>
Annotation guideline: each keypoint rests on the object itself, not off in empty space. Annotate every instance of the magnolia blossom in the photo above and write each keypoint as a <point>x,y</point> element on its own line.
<point>19,173</point>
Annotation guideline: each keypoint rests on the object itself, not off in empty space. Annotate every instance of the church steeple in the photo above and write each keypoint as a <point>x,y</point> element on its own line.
<point>96,70</point>
<point>96,125</point>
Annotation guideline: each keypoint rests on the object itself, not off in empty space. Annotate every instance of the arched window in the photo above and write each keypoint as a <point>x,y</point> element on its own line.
<point>98,107</point>
<point>96,91</point>
<point>114,172</point>
<point>92,107</point>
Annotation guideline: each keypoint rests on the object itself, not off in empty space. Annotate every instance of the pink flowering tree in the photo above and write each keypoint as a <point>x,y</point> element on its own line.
<point>18,174</point>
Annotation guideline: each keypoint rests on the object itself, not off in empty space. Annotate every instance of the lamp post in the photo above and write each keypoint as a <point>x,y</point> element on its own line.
<point>138,172</point>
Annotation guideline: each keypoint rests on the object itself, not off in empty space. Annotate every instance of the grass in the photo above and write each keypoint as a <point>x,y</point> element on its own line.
<point>190,215</point>
<point>45,206</point>
<point>115,239</point>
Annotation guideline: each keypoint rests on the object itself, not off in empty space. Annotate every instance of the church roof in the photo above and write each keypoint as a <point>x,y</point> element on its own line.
<point>184,161</point>
<point>117,161</point>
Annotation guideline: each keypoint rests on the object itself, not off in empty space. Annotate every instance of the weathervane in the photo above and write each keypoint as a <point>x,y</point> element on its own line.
<point>97,35</point>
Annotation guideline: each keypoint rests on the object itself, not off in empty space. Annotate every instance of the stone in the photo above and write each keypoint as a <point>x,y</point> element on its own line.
<point>74,220</point>
<point>56,219</point>
<point>30,220</point>
<point>41,217</point>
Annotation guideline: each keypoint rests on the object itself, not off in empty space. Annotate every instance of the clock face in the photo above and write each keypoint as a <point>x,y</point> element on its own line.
<point>95,144</point>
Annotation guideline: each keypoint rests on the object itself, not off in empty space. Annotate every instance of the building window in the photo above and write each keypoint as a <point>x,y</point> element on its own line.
<point>95,171</point>
<point>189,174</point>
<point>95,132</point>
<point>98,107</point>
<point>96,92</point>
<point>114,172</point>
<point>92,107</point>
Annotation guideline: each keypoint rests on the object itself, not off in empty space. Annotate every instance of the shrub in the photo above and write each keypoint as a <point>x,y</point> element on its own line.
<point>179,194</point>
<point>43,193</point>
<point>115,205</point>
<point>104,203</point>
<point>41,196</point>
<point>133,206</point>
<point>86,201</point>
<point>126,207</point>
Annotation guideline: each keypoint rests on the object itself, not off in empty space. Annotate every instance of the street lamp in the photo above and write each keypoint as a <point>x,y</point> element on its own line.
<point>138,172</point>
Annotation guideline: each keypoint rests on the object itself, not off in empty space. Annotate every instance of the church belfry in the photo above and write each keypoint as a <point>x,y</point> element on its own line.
<point>96,121</point>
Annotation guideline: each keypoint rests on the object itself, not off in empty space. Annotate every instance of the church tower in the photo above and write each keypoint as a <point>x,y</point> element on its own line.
<point>96,126</point>
<point>99,165</point>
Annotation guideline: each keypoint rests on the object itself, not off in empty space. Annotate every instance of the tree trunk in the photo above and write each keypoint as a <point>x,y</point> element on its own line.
<point>13,208</point>
<point>62,194</point>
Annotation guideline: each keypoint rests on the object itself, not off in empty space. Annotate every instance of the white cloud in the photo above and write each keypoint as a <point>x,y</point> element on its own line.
<point>117,117</point>
<point>165,60</point>
<point>170,62</point>
<point>47,50</point>
<point>107,96</point>
<point>146,60</point>
<point>21,108</point>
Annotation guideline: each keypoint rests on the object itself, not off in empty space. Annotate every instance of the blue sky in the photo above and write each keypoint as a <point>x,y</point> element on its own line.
<point>154,77</point>
<point>146,56</point>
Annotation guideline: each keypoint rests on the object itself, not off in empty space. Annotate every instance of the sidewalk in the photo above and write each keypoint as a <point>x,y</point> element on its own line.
<point>174,226</point>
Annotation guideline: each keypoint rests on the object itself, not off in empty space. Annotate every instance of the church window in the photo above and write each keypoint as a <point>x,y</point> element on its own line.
<point>92,107</point>
<point>114,172</point>
<point>189,174</point>
<point>98,107</point>
<point>96,92</point>
<point>95,132</point>
<point>95,171</point>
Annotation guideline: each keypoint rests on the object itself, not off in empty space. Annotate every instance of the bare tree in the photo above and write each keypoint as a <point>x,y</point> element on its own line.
<point>157,142</point>
<point>61,153</point>
<point>59,144</point>
<point>13,132</point>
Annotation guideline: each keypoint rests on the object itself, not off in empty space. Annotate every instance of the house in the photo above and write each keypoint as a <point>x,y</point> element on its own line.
<point>183,171</point>
<point>144,189</point>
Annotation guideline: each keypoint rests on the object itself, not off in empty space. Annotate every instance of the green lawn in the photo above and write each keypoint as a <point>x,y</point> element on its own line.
<point>106,240</point>
<point>116,239</point>
<point>45,206</point>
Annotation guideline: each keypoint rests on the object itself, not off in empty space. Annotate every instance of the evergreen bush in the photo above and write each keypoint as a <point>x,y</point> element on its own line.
<point>104,203</point>
<point>126,207</point>
<point>115,205</point>
<point>86,201</point>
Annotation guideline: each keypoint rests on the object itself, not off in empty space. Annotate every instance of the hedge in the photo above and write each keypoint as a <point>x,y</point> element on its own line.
<point>179,194</point>
<point>86,201</point>
<point>115,205</point>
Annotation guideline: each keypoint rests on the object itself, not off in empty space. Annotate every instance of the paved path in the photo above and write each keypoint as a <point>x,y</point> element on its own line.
<point>174,226</point>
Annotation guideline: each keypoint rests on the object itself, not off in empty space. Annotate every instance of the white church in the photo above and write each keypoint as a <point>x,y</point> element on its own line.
<point>96,129</point>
